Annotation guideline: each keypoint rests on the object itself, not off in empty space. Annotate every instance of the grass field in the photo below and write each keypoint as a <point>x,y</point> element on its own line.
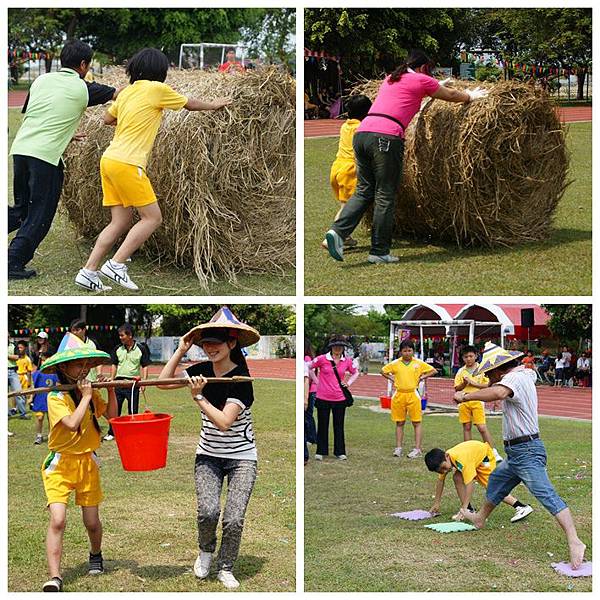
<point>561,265</point>
<point>150,534</point>
<point>352,544</point>
<point>62,254</point>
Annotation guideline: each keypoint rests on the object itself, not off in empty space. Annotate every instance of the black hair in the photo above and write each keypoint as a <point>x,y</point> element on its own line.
<point>148,63</point>
<point>78,324</point>
<point>229,50</point>
<point>406,344</point>
<point>415,59</point>
<point>237,356</point>
<point>22,343</point>
<point>74,52</point>
<point>76,395</point>
<point>467,349</point>
<point>434,458</point>
<point>358,107</point>
<point>308,349</point>
<point>126,328</point>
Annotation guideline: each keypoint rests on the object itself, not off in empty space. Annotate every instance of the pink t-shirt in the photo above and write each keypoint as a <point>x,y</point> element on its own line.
<point>328,387</point>
<point>401,100</point>
<point>312,376</point>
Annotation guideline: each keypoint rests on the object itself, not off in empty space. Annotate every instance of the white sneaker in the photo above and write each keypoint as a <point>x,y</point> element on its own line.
<point>335,245</point>
<point>202,564</point>
<point>118,273</point>
<point>521,513</point>
<point>318,457</point>
<point>398,452</point>
<point>386,259</point>
<point>228,580</point>
<point>415,453</point>
<point>108,437</point>
<point>342,457</point>
<point>497,455</point>
<point>90,281</point>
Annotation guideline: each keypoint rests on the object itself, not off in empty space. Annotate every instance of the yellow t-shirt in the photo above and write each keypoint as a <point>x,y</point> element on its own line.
<point>460,377</point>
<point>345,150</point>
<point>467,456</point>
<point>24,365</point>
<point>138,110</point>
<point>406,376</point>
<point>62,439</point>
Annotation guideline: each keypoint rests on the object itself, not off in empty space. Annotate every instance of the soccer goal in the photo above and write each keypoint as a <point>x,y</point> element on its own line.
<point>208,56</point>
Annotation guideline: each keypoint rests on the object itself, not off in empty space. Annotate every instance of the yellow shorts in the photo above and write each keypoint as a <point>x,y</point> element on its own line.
<point>483,472</point>
<point>343,179</point>
<point>63,473</point>
<point>124,185</point>
<point>39,414</point>
<point>404,403</point>
<point>471,412</point>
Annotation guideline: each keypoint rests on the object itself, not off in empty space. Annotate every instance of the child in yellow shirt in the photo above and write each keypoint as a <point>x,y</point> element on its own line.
<point>471,461</point>
<point>406,373</point>
<point>73,439</point>
<point>24,365</point>
<point>137,114</point>
<point>342,176</point>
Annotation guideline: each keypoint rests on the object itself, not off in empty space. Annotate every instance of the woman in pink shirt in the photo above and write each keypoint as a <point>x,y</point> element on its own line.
<point>330,397</point>
<point>379,148</point>
<point>310,429</point>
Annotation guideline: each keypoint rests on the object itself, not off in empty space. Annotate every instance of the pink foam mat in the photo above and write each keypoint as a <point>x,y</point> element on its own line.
<point>413,515</point>
<point>564,568</point>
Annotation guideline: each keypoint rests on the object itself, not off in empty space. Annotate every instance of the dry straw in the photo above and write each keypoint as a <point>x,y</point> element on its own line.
<point>225,180</point>
<point>488,173</point>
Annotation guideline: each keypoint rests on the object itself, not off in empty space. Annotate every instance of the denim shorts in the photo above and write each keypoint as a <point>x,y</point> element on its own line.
<point>525,463</point>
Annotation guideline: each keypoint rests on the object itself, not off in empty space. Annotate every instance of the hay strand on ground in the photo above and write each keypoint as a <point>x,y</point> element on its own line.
<point>225,180</point>
<point>489,173</point>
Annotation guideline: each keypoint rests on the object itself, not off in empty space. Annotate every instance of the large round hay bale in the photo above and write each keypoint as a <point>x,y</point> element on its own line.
<point>225,180</point>
<point>487,173</point>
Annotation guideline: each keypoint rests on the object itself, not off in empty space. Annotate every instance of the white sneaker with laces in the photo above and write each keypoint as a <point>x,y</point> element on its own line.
<point>385,259</point>
<point>318,457</point>
<point>342,457</point>
<point>202,565</point>
<point>90,281</point>
<point>521,513</point>
<point>497,455</point>
<point>415,453</point>
<point>228,580</point>
<point>117,272</point>
<point>108,437</point>
<point>398,451</point>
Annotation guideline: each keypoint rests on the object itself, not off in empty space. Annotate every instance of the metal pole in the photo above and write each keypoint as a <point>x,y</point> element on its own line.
<point>471,333</point>
<point>202,57</point>
<point>422,343</point>
<point>180,55</point>
<point>390,355</point>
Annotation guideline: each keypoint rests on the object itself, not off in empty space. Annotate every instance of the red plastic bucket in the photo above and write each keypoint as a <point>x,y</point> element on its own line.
<point>385,401</point>
<point>142,440</point>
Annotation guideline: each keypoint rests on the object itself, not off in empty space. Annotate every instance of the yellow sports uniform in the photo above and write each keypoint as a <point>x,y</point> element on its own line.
<point>24,370</point>
<point>343,170</point>
<point>406,398</point>
<point>72,464</point>
<point>138,110</point>
<point>472,411</point>
<point>475,460</point>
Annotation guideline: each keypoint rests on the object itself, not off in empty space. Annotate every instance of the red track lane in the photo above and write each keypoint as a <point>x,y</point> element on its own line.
<point>575,403</point>
<point>331,127</point>
<point>16,98</point>
<point>274,368</point>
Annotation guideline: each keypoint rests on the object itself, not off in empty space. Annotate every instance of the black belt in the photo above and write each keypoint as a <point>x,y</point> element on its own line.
<point>521,440</point>
<point>397,121</point>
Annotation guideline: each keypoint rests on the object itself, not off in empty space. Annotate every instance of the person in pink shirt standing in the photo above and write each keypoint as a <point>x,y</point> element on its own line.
<point>330,397</point>
<point>379,148</point>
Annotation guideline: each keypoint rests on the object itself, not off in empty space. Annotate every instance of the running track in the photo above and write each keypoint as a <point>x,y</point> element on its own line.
<point>274,368</point>
<point>331,127</point>
<point>553,402</point>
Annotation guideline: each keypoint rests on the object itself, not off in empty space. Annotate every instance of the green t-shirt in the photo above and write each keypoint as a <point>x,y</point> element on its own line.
<point>11,363</point>
<point>93,374</point>
<point>130,362</point>
<point>55,106</point>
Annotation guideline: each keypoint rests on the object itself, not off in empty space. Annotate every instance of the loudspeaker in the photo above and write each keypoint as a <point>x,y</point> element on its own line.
<point>527,317</point>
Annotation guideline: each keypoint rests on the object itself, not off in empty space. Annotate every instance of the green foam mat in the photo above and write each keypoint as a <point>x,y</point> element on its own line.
<point>452,527</point>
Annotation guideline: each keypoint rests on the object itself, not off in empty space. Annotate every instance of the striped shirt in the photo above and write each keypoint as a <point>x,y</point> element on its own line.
<point>238,441</point>
<point>520,415</point>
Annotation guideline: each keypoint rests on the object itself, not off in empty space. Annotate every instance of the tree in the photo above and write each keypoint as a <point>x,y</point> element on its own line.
<point>570,321</point>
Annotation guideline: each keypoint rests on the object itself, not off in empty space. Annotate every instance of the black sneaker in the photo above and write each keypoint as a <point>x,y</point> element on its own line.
<point>20,273</point>
<point>96,566</point>
<point>53,585</point>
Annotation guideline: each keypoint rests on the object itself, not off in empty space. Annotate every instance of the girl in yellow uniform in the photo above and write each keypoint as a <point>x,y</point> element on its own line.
<point>137,114</point>
<point>72,464</point>
<point>406,373</point>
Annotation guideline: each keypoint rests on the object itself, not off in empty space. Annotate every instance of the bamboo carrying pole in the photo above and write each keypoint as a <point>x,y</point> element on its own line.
<point>125,383</point>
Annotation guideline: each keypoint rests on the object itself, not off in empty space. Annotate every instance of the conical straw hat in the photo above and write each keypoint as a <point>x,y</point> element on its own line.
<point>225,319</point>
<point>494,356</point>
<point>73,348</point>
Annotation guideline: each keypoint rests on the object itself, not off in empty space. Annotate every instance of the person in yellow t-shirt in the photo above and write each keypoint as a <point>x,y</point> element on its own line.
<point>406,373</point>
<point>342,176</point>
<point>137,114</point>
<point>24,365</point>
<point>72,464</point>
<point>472,413</point>
<point>471,461</point>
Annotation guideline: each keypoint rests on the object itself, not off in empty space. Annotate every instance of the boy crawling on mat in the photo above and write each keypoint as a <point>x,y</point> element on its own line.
<point>471,461</point>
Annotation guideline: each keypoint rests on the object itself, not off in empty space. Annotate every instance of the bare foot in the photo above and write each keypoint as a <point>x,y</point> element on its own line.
<point>473,517</point>
<point>576,550</point>
<point>458,516</point>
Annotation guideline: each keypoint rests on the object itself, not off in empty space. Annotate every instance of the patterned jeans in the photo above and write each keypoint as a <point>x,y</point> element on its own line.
<point>210,473</point>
